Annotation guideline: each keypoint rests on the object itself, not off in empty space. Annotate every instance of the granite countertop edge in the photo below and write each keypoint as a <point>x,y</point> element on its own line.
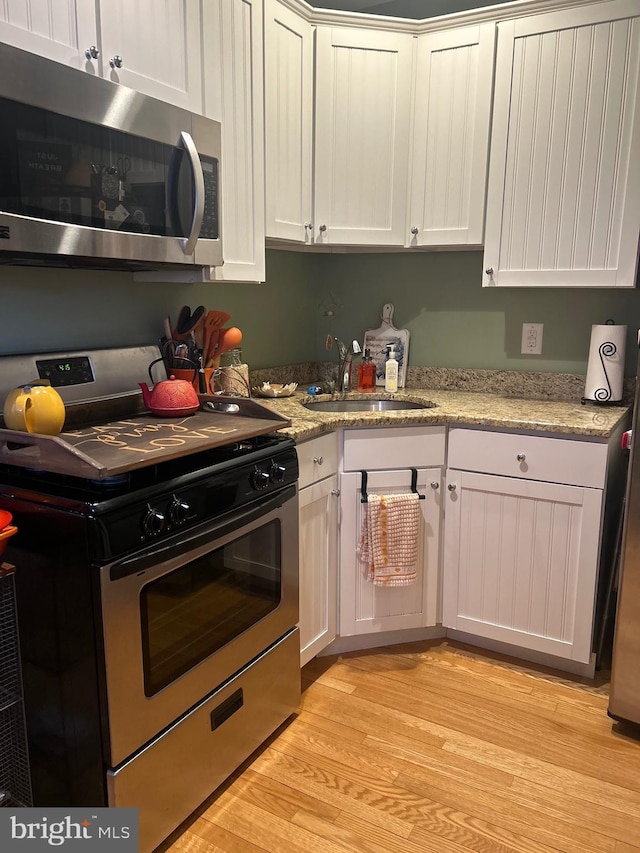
<point>454,407</point>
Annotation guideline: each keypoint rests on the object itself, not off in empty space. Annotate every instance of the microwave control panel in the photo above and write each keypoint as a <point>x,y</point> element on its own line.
<point>209,229</point>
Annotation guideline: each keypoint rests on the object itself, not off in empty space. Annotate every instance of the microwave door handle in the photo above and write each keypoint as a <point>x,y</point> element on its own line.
<point>186,141</point>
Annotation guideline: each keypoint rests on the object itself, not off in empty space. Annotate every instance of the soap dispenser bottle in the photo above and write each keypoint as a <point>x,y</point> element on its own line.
<point>367,373</point>
<point>391,371</point>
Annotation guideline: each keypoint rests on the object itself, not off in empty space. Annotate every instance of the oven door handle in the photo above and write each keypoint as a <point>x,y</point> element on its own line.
<point>225,526</point>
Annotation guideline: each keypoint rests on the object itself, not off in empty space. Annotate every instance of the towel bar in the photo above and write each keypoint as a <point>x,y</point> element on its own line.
<point>363,485</point>
<point>414,484</point>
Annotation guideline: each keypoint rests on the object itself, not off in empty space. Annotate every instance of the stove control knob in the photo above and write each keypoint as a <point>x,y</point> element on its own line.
<point>153,522</point>
<point>178,510</point>
<point>277,472</point>
<point>259,479</point>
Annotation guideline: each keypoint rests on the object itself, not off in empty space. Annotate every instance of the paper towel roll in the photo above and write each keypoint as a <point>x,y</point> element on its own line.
<point>605,368</point>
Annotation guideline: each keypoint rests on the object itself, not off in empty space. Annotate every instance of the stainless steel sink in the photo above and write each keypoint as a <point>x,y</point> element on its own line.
<point>372,405</point>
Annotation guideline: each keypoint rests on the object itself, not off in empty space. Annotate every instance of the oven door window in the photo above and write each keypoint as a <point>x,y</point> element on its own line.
<point>197,609</point>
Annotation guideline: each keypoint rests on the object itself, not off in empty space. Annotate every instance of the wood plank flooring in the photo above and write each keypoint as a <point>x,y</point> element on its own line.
<point>432,748</point>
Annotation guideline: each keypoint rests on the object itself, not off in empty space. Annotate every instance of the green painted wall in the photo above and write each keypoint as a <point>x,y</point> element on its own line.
<point>57,309</point>
<point>453,321</point>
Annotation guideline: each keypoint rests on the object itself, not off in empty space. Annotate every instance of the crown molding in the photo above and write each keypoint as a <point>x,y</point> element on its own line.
<point>499,12</point>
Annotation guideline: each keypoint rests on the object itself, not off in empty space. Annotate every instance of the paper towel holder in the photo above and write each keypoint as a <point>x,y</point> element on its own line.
<point>606,349</point>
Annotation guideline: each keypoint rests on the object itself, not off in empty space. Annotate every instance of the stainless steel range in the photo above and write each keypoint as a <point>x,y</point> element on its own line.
<point>157,589</point>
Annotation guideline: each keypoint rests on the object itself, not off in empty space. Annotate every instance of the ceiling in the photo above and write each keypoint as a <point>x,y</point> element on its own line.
<point>404,8</point>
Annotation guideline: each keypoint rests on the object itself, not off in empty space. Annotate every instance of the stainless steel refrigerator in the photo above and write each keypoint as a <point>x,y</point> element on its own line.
<point>624,695</point>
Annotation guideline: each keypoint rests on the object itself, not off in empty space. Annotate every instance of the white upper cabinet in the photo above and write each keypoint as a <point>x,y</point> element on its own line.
<point>289,123</point>
<point>154,48</point>
<point>450,139</point>
<point>233,83</point>
<point>563,206</point>
<point>61,30</point>
<point>148,46</point>
<point>363,97</point>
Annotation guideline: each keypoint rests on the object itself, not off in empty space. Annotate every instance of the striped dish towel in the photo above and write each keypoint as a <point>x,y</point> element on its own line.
<point>389,538</point>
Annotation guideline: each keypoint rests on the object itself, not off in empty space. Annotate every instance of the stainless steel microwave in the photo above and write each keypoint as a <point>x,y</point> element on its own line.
<point>97,175</point>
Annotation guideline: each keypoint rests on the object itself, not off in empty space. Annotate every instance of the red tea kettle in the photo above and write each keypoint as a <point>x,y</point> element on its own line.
<point>170,398</point>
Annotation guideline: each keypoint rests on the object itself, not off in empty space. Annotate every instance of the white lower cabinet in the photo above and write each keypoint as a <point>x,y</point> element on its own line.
<point>522,540</point>
<point>388,455</point>
<point>318,499</point>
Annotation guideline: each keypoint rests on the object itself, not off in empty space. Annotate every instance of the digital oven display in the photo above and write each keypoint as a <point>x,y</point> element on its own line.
<point>62,372</point>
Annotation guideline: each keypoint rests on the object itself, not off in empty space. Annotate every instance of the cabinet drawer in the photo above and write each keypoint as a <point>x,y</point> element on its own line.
<point>553,460</point>
<point>317,458</point>
<point>382,448</point>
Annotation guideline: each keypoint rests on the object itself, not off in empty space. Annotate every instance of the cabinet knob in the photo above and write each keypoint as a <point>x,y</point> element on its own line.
<point>116,61</point>
<point>92,52</point>
<point>414,230</point>
<point>319,460</point>
<point>489,270</point>
<point>322,228</point>
<point>308,226</point>
<point>435,484</point>
<point>335,492</point>
<point>452,487</point>
<point>521,457</point>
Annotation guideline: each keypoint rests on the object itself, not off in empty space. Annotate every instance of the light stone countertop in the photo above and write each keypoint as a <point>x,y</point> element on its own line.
<point>455,407</point>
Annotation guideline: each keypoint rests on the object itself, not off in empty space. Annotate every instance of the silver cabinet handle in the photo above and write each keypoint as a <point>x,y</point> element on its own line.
<point>489,270</point>
<point>435,484</point>
<point>335,492</point>
<point>415,230</point>
<point>92,52</point>
<point>186,142</point>
<point>322,228</point>
<point>452,487</point>
<point>308,226</point>
<point>116,61</point>
<point>521,457</point>
<point>319,460</point>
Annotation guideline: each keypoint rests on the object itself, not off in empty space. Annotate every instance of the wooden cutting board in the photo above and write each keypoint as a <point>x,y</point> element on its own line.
<point>377,341</point>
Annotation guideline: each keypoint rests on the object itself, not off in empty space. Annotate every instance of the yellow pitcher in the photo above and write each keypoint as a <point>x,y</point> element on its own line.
<point>36,407</point>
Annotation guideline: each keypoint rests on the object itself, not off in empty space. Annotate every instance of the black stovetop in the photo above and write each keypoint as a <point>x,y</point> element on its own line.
<point>166,475</point>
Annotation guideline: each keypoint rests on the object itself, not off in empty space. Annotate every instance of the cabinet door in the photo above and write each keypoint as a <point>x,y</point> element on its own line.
<point>288,123</point>
<point>318,566</point>
<point>563,206</point>
<point>234,96</point>
<point>452,108</point>
<point>158,45</point>
<point>521,561</point>
<point>365,608</point>
<point>363,94</point>
<point>57,29</point>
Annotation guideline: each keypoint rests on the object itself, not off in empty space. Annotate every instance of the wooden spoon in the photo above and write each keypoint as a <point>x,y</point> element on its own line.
<point>212,350</point>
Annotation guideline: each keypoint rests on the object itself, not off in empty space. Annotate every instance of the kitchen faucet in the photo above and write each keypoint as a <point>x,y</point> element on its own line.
<point>345,358</point>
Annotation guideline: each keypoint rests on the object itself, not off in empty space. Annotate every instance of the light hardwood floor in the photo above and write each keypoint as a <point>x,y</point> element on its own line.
<point>433,748</point>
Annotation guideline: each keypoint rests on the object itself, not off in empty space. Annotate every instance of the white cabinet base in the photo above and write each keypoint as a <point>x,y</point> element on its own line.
<point>584,670</point>
<point>383,638</point>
